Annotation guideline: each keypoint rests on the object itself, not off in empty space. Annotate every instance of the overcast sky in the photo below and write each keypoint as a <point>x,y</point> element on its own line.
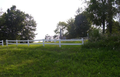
<point>46,13</point>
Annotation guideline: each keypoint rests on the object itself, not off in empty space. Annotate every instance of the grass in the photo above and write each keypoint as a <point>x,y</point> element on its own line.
<point>53,61</point>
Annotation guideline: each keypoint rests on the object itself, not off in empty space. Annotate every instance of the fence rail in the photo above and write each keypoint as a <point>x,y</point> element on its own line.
<point>28,42</point>
<point>1,42</point>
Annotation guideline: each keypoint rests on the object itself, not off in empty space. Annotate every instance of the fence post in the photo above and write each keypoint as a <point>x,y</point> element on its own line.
<point>43,42</point>
<point>16,43</point>
<point>2,42</point>
<point>59,42</point>
<point>6,42</point>
<point>82,41</point>
<point>54,40</point>
<point>28,42</point>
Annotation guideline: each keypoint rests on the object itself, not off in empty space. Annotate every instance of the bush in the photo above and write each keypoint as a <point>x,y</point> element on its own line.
<point>94,34</point>
<point>98,40</point>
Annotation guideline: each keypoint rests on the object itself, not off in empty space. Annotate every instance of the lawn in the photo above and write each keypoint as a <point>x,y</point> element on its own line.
<point>53,61</point>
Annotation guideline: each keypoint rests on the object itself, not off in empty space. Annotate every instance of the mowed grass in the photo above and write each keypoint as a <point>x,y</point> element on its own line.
<point>53,61</point>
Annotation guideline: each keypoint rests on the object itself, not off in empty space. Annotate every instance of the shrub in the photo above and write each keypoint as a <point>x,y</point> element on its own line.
<point>94,34</point>
<point>97,40</point>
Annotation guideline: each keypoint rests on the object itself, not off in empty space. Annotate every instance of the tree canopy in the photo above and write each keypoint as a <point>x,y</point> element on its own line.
<point>102,12</point>
<point>74,28</point>
<point>15,24</point>
<point>82,25</point>
<point>62,26</point>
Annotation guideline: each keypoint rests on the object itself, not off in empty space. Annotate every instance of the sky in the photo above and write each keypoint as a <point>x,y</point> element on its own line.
<point>46,13</point>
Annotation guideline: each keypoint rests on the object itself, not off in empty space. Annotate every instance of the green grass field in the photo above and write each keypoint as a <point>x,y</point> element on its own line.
<point>53,61</point>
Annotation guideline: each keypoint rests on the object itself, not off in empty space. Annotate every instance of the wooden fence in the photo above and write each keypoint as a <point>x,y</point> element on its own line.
<point>54,42</point>
<point>1,42</point>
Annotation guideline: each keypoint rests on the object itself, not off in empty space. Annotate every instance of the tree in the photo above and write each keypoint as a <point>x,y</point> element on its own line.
<point>62,26</point>
<point>29,28</point>
<point>68,28</point>
<point>81,25</point>
<point>112,11</point>
<point>2,27</point>
<point>97,13</point>
<point>17,25</point>
<point>118,8</point>
<point>71,31</point>
<point>74,28</point>
<point>115,27</point>
<point>101,12</point>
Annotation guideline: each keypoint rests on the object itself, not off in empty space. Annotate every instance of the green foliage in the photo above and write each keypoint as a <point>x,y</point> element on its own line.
<point>94,34</point>
<point>111,42</point>
<point>74,28</point>
<point>15,24</point>
<point>102,12</point>
<point>81,25</point>
<point>52,61</point>
<point>115,28</point>
<point>71,29</point>
<point>62,26</point>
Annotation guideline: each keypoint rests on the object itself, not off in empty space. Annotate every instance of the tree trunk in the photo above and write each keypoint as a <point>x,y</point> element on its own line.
<point>103,26</point>
<point>110,15</point>
<point>110,27</point>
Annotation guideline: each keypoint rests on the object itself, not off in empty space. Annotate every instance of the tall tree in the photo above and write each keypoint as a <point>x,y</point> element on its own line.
<point>97,13</point>
<point>81,25</point>
<point>17,25</point>
<point>29,28</point>
<point>2,27</point>
<point>102,12</point>
<point>112,11</point>
<point>71,31</point>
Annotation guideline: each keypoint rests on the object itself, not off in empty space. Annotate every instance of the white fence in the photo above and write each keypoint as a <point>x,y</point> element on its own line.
<point>1,42</point>
<point>28,42</point>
